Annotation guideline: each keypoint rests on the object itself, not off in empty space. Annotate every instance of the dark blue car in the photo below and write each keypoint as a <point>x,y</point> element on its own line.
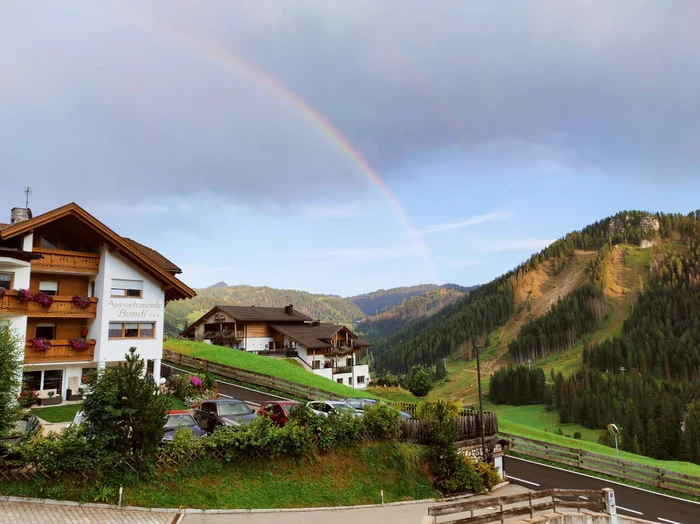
<point>181,419</point>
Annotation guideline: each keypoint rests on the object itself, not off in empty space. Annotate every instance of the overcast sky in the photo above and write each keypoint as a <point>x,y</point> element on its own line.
<point>243,139</point>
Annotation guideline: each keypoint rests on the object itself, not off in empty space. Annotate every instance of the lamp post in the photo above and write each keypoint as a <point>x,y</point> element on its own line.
<point>481,406</point>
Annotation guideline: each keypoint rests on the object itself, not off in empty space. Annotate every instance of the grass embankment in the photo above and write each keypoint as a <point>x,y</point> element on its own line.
<point>537,417</point>
<point>341,478</point>
<point>260,364</point>
<point>506,426</point>
<point>394,394</point>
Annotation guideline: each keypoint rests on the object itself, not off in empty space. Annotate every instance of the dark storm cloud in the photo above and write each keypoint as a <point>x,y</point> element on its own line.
<point>109,98</point>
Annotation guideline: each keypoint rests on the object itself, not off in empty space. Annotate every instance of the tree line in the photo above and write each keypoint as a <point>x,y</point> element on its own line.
<point>662,335</point>
<point>519,385</point>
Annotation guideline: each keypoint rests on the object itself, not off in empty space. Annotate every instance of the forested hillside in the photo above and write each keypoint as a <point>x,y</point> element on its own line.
<point>471,319</point>
<point>324,307</point>
<point>384,299</point>
<point>378,327</point>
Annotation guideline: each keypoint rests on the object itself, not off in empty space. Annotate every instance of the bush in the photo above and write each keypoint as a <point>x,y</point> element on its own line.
<point>578,435</point>
<point>381,421</point>
<point>388,380</point>
<point>489,474</point>
<point>419,382</point>
<point>465,478</point>
<point>337,429</point>
<point>58,453</point>
<point>28,396</point>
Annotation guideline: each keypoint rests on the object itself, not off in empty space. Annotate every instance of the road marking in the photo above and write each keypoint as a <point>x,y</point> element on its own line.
<point>666,520</point>
<point>688,501</point>
<point>525,481</point>
<point>631,511</point>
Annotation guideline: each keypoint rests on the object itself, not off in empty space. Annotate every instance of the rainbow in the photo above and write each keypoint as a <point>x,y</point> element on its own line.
<point>233,63</point>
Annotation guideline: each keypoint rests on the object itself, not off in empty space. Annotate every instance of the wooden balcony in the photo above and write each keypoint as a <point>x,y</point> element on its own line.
<point>62,307</point>
<point>58,261</point>
<point>60,351</point>
<point>9,305</point>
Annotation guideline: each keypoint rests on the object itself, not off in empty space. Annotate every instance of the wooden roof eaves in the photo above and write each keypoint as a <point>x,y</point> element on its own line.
<point>184,291</point>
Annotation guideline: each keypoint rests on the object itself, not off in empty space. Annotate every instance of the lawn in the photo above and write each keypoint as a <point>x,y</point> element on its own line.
<point>64,413</point>
<point>537,417</point>
<point>506,426</point>
<point>176,403</point>
<point>394,394</point>
<point>260,364</point>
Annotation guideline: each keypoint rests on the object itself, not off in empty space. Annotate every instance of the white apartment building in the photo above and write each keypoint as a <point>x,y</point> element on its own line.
<point>106,294</point>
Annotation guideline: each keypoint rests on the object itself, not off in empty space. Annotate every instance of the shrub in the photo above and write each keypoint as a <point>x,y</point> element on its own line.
<point>464,478</point>
<point>489,474</point>
<point>381,421</point>
<point>419,382</point>
<point>28,396</point>
<point>577,435</point>
<point>388,380</point>
<point>337,429</point>
<point>9,376</point>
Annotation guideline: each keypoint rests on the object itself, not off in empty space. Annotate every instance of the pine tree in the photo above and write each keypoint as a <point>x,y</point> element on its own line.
<point>124,412</point>
<point>10,364</point>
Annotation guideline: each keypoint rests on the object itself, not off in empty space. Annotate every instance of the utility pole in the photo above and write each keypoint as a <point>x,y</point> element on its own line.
<point>481,406</point>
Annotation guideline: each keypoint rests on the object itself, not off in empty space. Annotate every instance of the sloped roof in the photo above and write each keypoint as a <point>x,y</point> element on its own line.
<point>154,256</point>
<point>315,336</point>
<point>174,288</point>
<point>4,226</point>
<point>263,314</point>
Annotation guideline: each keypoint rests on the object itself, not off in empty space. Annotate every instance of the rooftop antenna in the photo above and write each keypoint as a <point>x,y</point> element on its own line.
<point>27,192</point>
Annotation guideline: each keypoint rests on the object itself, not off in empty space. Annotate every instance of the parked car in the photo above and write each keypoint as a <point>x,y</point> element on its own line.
<point>324,407</point>
<point>222,412</point>
<point>27,426</point>
<point>277,411</point>
<point>361,403</point>
<point>178,419</point>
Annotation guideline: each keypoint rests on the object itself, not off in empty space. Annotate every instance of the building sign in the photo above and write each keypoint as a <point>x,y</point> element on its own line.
<point>497,451</point>
<point>219,317</point>
<point>124,309</point>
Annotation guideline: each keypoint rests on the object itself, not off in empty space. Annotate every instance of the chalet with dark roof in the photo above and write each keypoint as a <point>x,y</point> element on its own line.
<point>329,350</point>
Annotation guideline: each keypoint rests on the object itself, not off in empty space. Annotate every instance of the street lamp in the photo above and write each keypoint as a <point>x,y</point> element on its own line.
<point>614,430</point>
<point>481,406</point>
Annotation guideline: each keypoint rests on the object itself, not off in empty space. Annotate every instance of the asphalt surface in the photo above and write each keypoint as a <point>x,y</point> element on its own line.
<point>226,389</point>
<point>631,502</point>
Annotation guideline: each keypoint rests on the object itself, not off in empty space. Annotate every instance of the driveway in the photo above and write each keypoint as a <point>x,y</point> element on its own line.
<point>403,514</point>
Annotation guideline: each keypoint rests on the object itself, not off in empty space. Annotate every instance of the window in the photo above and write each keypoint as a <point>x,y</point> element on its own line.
<point>349,361</point>
<point>46,331</point>
<point>50,288</point>
<point>53,379</point>
<point>48,242</point>
<point>131,330</point>
<point>33,378</point>
<point>6,281</point>
<point>339,380</point>
<point>349,381</point>
<point>127,288</point>
<point>316,364</point>
<point>361,380</point>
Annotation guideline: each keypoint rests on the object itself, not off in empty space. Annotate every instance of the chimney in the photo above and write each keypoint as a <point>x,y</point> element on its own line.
<point>289,310</point>
<point>20,214</point>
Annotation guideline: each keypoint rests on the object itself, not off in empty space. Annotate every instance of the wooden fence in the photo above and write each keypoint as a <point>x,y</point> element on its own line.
<point>495,509</point>
<point>250,377</point>
<point>468,428</point>
<point>597,463</point>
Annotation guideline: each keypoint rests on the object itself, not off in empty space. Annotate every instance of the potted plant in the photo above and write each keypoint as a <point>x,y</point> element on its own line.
<point>79,344</point>
<point>41,344</point>
<point>81,301</point>
<point>24,295</point>
<point>43,299</point>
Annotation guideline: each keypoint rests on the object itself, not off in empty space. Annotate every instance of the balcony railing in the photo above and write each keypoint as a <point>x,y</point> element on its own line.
<point>56,260</point>
<point>63,307</point>
<point>224,335</point>
<point>342,369</point>
<point>60,351</point>
<point>9,304</point>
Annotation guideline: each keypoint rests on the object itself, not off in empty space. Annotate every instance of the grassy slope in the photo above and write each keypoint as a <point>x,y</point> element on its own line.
<point>270,366</point>
<point>394,394</point>
<point>521,430</point>
<point>340,478</point>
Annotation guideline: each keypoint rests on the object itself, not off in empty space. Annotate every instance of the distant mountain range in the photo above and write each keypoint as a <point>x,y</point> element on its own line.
<point>384,310</point>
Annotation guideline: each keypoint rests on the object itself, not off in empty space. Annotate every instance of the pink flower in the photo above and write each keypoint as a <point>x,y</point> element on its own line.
<point>196,381</point>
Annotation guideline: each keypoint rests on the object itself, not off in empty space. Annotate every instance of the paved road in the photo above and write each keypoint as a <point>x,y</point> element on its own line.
<point>29,513</point>
<point>249,396</point>
<point>631,501</point>
<point>405,514</point>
